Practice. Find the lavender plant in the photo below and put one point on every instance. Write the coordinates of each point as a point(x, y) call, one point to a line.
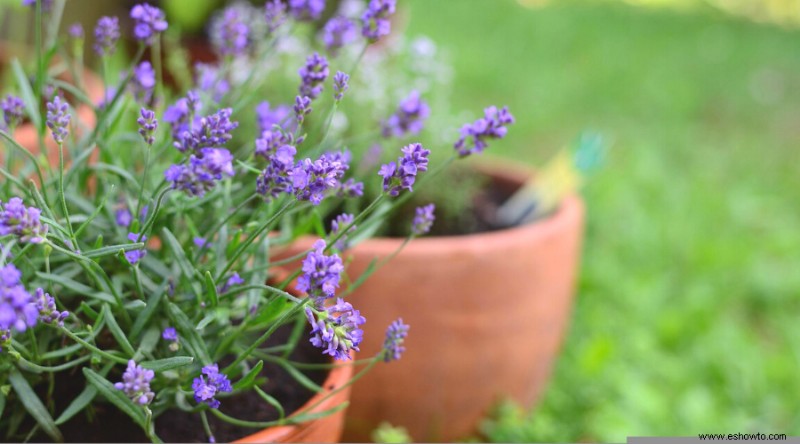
point(140, 267)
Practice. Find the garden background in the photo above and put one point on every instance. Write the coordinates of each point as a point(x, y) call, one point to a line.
point(687, 310)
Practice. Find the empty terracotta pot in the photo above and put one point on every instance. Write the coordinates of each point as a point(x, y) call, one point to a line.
point(325, 429)
point(487, 311)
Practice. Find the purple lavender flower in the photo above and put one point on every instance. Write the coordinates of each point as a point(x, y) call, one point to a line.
point(402, 174)
point(181, 114)
point(474, 136)
point(21, 221)
point(46, 306)
point(312, 180)
point(170, 334)
point(274, 14)
point(302, 108)
point(76, 31)
point(202, 171)
point(17, 307)
point(207, 78)
point(106, 34)
point(134, 256)
point(340, 85)
point(13, 110)
point(58, 119)
point(235, 279)
point(143, 82)
point(46, 4)
point(5, 338)
point(230, 33)
point(350, 188)
point(337, 225)
point(136, 383)
point(201, 242)
point(409, 118)
point(209, 384)
point(337, 335)
point(312, 75)
point(147, 125)
point(211, 131)
point(306, 10)
point(423, 220)
point(274, 180)
point(123, 217)
point(395, 336)
point(375, 20)
point(276, 146)
point(269, 116)
point(150, 21)
point(338, 33)
point(321, 273)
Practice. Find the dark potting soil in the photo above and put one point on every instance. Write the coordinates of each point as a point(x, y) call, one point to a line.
point(106, 423)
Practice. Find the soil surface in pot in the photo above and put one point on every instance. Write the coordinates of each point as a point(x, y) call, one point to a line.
point(108, 424)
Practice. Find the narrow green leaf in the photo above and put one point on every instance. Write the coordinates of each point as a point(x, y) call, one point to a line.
point(177, 251)
point(147, 313)
point(2, 403)
point(114, 396)
point(133, 183)
point(113, 249)
point(249, 379)
point(186, 329)
point(77, 404)
point(88, 311)
point(271, 401)
point(300, 377)
point(161, 365)
point(33, 405)
point(148, 343)
point(117, 332)
point(211, 290)
point(77, 287)
point(204, 322)
point(26, 93)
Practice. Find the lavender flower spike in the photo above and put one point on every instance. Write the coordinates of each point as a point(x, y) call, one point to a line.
point(171, 335)
point(336, 329)
point(58, 119)
point(395, 336)
point(311, 181)
point(375, 20)
point(340, 85)
point(136, 383)
point(302, 108)
point(17, 309)
point(134, 256)
point(207, 385)
point(321, 273)
point(423, 220)
point(402, 175)
point(306, 10)
point(22, 221)
point(230, 33)
point(312, 75)
point(338, 32)
point(143, 82)
point(409, 118)
point(76, 31)
point(149, 22)
point(147, 125)
point(46, 306)
point(106, 34)
point(13, 109)
point(202, 172)
point(474, 136)
point(274, 14)
point(337, 226)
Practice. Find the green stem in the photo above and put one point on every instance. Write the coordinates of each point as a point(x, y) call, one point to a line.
point(31, 157)
point(217, 227)
point(252, 238)
point(355, 221)
point(157, 65)
point(62, 195)
point(109, 356)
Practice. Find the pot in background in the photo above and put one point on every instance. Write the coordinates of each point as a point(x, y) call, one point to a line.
point(487, 315)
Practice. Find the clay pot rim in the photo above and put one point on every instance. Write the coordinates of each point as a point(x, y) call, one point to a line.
point(337, 377)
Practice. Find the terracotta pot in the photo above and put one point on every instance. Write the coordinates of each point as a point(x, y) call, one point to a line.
point(325, 429)
point(27, 135)
point(487, 312)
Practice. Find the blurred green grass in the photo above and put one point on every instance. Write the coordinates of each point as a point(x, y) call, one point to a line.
point(686, 320)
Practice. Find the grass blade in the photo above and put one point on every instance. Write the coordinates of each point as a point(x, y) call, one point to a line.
point(33, 405)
